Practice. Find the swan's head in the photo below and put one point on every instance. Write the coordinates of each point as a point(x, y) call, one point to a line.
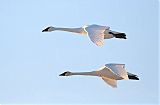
point(67, 73)
point(48, 29)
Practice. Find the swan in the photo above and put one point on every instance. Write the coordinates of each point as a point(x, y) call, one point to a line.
point(110, 73)
point(96, 33)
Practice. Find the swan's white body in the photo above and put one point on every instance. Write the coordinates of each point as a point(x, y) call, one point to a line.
point(110, 73)
point(96, 33)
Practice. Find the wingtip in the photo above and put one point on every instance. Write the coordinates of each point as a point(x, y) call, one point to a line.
point(99, 44)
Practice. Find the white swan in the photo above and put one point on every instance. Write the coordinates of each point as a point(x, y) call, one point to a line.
point(110, 73)
point(96, 33)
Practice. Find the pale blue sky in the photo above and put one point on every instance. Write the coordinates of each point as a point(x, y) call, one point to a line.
point(30, 61)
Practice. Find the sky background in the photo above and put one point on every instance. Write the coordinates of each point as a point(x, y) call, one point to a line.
point(30, 61)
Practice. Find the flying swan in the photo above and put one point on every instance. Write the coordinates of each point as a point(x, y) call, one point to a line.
point(110, 73)
point(96, 33)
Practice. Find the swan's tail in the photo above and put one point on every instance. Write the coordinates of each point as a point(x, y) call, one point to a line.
point(132, 76)
point(118, 34)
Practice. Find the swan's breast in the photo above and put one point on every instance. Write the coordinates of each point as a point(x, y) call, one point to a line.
point(83, 32)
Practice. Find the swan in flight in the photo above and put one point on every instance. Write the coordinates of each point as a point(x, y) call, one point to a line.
point(110, 73)
point(96, 33)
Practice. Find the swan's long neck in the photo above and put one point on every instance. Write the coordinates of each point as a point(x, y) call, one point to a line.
point(74, 30)
point(93, 73)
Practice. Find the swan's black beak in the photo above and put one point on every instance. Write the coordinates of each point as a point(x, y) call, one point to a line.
point(46, 30)
point(63, 74)
point(43, 30)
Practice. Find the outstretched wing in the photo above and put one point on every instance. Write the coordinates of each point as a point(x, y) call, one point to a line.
point(111, 82)
point(118, 69)
point(96, 33)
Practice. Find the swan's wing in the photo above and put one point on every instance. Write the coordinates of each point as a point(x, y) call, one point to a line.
point(118, 69)
point(96, 34)
point(108, 73)
point(111, 82)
